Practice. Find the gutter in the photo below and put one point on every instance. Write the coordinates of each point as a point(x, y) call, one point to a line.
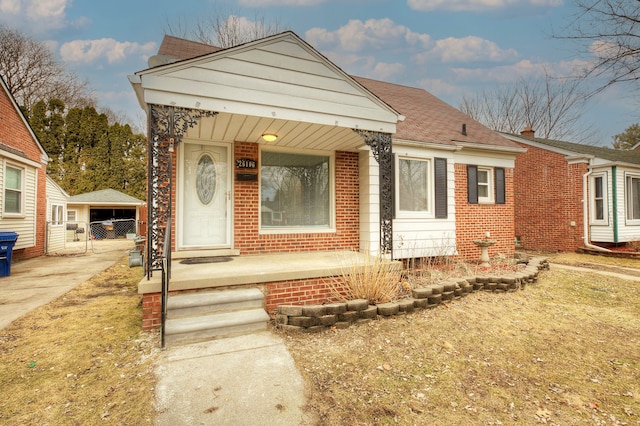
point(585, 215)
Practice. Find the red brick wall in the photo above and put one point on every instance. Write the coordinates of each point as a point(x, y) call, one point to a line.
point(246, 209)
point(300, 292)
point(548, 194)
point(14, 133)
point(474, 220)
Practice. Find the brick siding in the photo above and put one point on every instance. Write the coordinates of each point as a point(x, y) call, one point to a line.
point(246, 210)
point(14, 133)
point(474, 220)
point(548, 194)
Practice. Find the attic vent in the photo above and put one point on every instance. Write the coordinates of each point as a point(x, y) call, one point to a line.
point(464, 129)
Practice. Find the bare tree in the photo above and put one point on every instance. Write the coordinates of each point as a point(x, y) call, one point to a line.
point(31, 73)
point(609, 31)
point(223, 28)
point(551, 106)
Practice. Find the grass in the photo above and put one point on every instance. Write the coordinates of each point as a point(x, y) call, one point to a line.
point(82, 359)
point(563, 351)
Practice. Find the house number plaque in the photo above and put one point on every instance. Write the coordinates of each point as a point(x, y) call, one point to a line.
point(245, 163)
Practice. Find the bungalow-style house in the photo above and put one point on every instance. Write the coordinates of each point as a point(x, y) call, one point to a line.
point(569, 195)
point(23, 187)
point(269, 148)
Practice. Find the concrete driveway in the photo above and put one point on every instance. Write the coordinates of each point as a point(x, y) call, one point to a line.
point(36, 282)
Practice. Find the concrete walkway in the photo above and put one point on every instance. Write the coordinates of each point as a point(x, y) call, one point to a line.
point(243, 380)
point(36, 282)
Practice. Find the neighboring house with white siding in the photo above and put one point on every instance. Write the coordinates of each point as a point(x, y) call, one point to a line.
point(56, 217)
point(23, 170)
point(569, 195)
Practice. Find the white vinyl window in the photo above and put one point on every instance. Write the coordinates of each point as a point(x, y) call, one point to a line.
point(598, 200)
point(633, 197)
point(413, 197)
point(13, 191)
point(57, 214)
point(296, 191)
point(72, 215)
point(485, 185)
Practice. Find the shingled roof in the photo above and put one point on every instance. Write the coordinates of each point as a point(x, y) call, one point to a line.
point(601, 152)
point(427, 118)
point(104, 197)
point(181, 49)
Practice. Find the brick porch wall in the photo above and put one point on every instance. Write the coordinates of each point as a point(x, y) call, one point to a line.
point(247, 202)
point(548, 194)
point(474, 220)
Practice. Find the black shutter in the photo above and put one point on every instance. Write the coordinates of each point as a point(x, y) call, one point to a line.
point(472, 184)
point(500, 185)
point(440, 178)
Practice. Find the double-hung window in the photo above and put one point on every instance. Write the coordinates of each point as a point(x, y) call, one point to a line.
point(597, 209)
point(13, 191)
point(296, 191)
point(57, 214)
point(633, 197)
point(485, 185)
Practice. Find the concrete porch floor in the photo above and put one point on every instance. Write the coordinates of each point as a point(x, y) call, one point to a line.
point(253, 269)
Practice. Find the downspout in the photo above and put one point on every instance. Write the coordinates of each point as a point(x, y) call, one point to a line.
point(585, 214)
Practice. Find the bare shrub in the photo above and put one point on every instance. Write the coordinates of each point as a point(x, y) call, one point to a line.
point(374, 278)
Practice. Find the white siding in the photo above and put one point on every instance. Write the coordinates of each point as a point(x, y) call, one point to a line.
point(369, 203)
point(426, 237)
point(25, 226)
point(55, 233)
point(283, 79)
point(628, 230)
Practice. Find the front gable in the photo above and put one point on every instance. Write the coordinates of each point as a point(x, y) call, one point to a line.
point(279, 78)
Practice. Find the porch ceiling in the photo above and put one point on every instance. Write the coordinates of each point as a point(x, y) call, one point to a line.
point(226, 127)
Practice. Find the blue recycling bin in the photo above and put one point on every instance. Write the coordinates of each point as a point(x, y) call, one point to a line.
point(7, 241)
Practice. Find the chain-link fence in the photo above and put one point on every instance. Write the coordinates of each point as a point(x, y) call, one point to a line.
point(76, 237)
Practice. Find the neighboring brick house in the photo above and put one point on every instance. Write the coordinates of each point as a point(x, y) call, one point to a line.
point(553, 178)
point(268, 147)
point(23, 184)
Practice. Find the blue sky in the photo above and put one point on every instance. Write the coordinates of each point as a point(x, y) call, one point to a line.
point(448, 47)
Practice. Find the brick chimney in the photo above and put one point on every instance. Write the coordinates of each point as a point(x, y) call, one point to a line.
point(528, 131)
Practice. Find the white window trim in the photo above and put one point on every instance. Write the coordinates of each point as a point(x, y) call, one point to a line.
point(332, 196)
point(57, 221)
point(605, 201)
point(490, 198)
point(407, 214)
point(23, 178)
point(627, 198)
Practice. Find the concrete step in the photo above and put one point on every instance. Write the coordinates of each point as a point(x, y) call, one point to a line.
point(203, 303)
point(214, 326)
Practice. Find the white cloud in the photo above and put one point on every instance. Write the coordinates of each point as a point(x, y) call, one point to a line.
point(466, 49)
point(384, 71)
point(89, 51)
point(439, 87)
point(523, 69)
point(371, 34)
point(475, 5)
point(39, 15)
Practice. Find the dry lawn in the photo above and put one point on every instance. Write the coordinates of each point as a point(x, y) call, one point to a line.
point(82, 359)
point(565, 351)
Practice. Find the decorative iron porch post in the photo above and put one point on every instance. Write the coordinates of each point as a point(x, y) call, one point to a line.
point(380, 144)
point(166, 127)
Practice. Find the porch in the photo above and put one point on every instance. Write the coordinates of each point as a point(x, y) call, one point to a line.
point(211, 297)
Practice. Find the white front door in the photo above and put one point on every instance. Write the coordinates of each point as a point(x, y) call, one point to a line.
point(204, 215)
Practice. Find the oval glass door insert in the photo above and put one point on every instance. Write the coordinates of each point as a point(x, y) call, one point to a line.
point(206, 179)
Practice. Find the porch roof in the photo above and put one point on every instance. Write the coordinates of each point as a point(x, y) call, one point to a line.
point(278, 84)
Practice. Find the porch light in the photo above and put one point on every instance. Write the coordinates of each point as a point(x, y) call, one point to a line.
point(269, 137)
